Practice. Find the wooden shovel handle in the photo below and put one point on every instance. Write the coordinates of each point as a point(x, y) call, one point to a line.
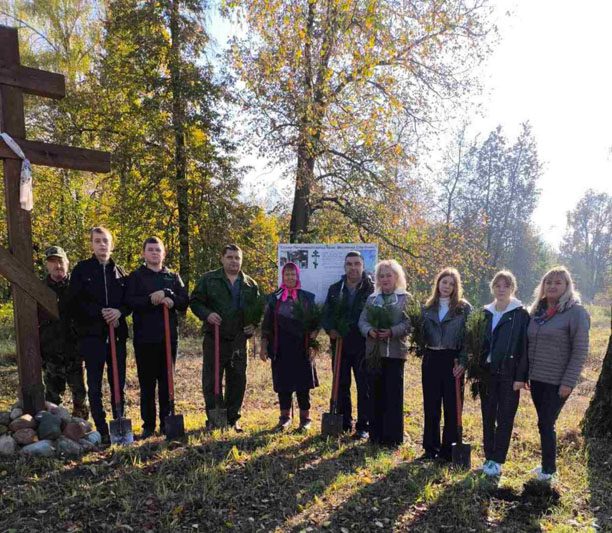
point(337, 370)
point(217, 361)
point(169, 363)
point(115, 369)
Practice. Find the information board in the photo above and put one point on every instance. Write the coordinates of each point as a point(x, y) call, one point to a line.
point(323, 264)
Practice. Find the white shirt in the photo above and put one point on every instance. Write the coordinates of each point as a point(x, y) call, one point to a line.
point(443, 308)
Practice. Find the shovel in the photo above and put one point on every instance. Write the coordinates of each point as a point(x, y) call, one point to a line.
point(218, 416)
point(174, 425)
point(120, 428)
point(461, 453)
point(331, 425)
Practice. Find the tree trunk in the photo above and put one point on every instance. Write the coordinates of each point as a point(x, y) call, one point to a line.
point(300, 215)
point(180, 162)
point(597, 420)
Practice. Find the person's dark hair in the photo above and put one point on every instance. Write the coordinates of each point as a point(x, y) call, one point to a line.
point(99, 229)
point(354, 253)
point(231, 248)
point(152, 240)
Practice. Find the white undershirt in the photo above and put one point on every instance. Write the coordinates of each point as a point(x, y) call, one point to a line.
point(443, 308)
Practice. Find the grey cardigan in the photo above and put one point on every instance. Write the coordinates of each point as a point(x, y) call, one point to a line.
point(397, 347)
point(558, 347)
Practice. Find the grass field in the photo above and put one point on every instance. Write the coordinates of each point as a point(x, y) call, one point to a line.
point(262, 481)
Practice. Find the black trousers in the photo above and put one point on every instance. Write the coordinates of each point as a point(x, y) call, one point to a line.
point(96, 353)
point(353, 362)
point(439, 390)
point(548, 405)
point(498, 404)
point(303, 398)
point(386, 413)
point(233, 365)
point(152, 373)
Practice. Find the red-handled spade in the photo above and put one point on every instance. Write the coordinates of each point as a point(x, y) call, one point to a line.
point(461, 453)
point(120, 427)
point(218, 415)
point(331, 425)
point(174, 425)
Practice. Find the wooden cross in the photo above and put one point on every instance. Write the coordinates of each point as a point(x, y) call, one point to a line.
point(17, 264)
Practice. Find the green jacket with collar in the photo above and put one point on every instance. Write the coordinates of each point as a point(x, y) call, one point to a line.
point(212, 295)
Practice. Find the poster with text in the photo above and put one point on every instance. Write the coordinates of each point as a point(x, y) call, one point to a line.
point(323, 264)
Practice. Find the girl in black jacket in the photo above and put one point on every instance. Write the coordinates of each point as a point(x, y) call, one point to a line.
point(504, 364)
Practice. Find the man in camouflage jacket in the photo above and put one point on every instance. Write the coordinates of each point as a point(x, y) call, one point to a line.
point(61, 361)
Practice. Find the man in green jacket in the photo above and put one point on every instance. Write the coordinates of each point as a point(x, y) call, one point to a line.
point(219, 299)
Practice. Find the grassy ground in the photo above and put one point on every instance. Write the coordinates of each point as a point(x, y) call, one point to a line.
point(261, 481)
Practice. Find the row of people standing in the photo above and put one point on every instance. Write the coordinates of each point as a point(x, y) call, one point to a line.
point(545, 348)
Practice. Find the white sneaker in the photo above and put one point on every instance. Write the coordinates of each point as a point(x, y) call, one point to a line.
point(491, 468)
point(542, 476)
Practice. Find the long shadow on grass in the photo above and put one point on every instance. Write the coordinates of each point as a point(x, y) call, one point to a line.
point(600, 480)
point(219, 484)
point(382, 503)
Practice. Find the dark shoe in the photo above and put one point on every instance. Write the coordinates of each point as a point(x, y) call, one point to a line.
point(106, 439)
point(237, 428)
point(80, 411)
point(361, 434)
point(428, 456)
point(305, 425)
point(146, 434)
point(284, 423)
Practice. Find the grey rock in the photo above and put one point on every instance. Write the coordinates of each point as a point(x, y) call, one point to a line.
point(68, 447)
point(62, 412)
point(94, 437)
point(49, 406)
point(49, 426)
point(3, 429)
point(8, 446)
point(86, 425)
point(86, 445)
point(16, 412)
point(42, 448)
point(5, 418)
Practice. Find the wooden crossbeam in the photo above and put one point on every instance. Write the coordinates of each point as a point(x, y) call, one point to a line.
point(12, 269)
point(33, 81)
point(58, 156)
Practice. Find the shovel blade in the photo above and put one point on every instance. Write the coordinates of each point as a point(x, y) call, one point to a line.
point(121, 431)
point(218, 418)
point(462, 455)
point(331, 425)
point(174, 427)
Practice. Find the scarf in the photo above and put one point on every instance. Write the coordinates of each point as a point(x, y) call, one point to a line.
point(293, 292)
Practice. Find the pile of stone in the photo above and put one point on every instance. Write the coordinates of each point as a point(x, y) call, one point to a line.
point(51, 433)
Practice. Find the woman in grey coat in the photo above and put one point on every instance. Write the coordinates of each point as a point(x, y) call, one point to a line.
point(558, 336)
point(386, 352)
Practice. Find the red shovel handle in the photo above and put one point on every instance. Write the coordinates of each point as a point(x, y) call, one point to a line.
point(337, 370)
point(217, 361)
point(169, 364)
point(113, 347)
point(459, 402)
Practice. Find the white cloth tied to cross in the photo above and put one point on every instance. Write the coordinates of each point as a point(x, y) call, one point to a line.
point(26, 197)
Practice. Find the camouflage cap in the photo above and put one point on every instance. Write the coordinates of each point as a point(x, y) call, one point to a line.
point(55, 251)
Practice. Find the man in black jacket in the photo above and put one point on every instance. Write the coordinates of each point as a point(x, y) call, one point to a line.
point(61, 361)
point(150, 287)
point(348, 296)
point(97, 300)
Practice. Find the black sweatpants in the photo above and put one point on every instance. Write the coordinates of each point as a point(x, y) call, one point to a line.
point(548, 405)
point(303, 398)
point(498, 404)
point(96, 353)
point(353, 362)
point(386, 413)
point(152, 372)
point(438, 390)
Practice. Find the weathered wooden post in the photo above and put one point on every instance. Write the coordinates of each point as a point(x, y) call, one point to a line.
point(17, 263)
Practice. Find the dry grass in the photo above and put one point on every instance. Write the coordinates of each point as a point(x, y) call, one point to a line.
point(261, 481)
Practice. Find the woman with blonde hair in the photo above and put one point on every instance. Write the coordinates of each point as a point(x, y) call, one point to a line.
point(444, 317)
point(558, 336)
point(503, 361)
point(385, 324)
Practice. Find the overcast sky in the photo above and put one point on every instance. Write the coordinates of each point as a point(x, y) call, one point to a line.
point(551, 67)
